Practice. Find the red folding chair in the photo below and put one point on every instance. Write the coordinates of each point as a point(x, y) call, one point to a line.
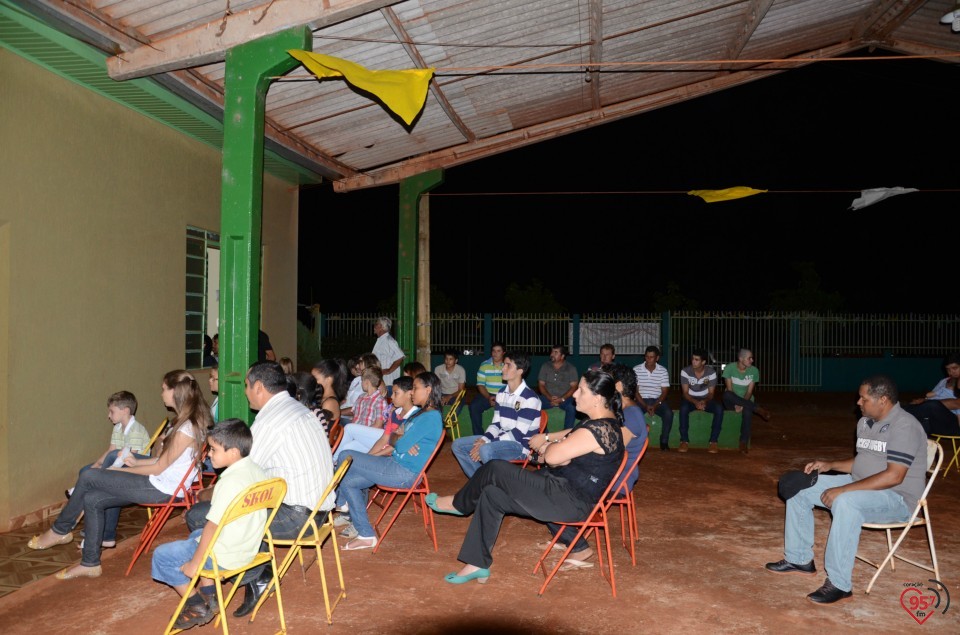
point(383, 497)
point(543, 428)
point(182, 497)
point(336, 435)
point(623, 498)
point(595, 521)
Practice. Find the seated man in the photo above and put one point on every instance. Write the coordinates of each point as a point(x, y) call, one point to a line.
point(698, 381)
point(607, 356)
point(558, 380)
point(515, 420)
point(741, 380)
point(489, 383)
point(882, 483)
point(653, 384)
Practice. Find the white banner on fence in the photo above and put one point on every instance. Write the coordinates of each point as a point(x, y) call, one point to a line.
point(628, 338)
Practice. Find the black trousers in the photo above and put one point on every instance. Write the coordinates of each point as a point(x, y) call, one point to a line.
point(935, 417)
point(499, 488)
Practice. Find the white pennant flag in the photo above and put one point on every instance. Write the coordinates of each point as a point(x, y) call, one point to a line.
point(877, 194)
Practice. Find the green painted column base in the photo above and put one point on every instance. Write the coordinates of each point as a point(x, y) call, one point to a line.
point(699, 432)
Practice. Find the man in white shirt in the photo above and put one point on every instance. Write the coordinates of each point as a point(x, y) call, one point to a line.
point(387, 351)
point(653, 383)
point(289, 443)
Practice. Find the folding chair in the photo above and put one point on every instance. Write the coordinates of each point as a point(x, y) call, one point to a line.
point(955, 460)
point(451, 421)
point(595, 521)
point(623, 498)
point(335, 433)
point(313, 535)
point(263, 495)
point(920, 516)
point(182, 497)
point(383, 497)
point(524, 462)
point(156, 435)
point(336, 436)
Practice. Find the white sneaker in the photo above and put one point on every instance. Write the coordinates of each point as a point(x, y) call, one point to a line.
point(343, 509)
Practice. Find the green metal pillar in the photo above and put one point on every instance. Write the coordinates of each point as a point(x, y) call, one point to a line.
point(411, 189)
point(248, 73)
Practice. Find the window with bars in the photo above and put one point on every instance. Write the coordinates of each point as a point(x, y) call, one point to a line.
point(202, 293)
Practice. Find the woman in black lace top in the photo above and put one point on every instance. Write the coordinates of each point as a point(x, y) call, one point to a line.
point(579, 465)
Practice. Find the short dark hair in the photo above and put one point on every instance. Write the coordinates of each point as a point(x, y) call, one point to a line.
point(500, 344)
point(882, 386)
point(520, 360)
point(413, 369)
point(559, 347)
point(123, 399)
point(701, 353)
point(452, 352)
point(609, 347)
point(232, 433)
point(270, 374)
point(652, 349)
point(404, 383)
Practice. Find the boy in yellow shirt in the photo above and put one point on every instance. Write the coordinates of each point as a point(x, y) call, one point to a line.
point(175, 563)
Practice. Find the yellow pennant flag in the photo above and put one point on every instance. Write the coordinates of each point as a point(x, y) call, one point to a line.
point(713, 196)
point(403, 92)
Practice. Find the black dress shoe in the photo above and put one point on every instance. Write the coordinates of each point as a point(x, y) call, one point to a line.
point(252, 592)
point(664, 447)
point(788, 567)
point(828, 594)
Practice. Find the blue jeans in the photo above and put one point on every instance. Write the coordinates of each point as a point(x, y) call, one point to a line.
point(366, 471)
point(730, 401)
point(666, 416)
point(95, 492)
point(357, 437)
point(569, 407)
point(169, 557)
point(503, 450)
point(111, 516)
point(478, 406)
point(713, 407)
point(850, 510)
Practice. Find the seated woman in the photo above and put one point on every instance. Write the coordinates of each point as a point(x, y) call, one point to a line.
point(332, 376)
point(580, 463)
point(151, 480)
point(939, 411)
point(306, 391)
point(377, 440)
point(400, 468)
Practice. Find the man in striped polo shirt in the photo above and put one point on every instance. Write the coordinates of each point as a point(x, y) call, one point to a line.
point(653, 384)
point(515, 420)
point(489, 383)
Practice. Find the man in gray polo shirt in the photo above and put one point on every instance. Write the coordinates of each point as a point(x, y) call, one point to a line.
point(881, 483)
point(557, 381)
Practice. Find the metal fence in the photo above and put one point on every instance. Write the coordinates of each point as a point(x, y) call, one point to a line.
point(789, 347)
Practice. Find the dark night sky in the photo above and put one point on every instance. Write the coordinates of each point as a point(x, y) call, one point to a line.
point(830, 126)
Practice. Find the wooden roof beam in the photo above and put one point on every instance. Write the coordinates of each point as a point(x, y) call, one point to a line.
point(210, 42)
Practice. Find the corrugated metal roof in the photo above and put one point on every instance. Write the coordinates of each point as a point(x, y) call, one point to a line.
point(514, 72)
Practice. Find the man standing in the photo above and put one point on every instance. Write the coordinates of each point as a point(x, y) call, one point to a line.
point(607, 354)
point(515, 420)
point(741, 380)
point(489, 383)
point(698, 382)
point(558, 380)
point(882, 483)
point(653, 383)
point(387, 351)
point(290, 443)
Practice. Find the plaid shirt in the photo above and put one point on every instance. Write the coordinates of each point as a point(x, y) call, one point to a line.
point(368, 409)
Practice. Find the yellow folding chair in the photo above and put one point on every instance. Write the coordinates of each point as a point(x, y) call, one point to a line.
point(450, 420)
point(263, 495)
point(313, 535)
point(156, 434)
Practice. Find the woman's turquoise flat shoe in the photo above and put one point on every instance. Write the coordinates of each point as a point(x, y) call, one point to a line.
point(432, 504)
point(480, 575)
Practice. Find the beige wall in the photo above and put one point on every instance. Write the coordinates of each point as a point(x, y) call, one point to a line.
point(92, 248)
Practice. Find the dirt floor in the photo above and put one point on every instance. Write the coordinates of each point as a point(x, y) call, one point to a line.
point(708, 523)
